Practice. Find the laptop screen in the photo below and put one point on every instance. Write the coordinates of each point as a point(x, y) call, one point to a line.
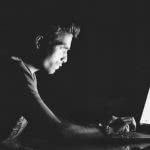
point(145, 118)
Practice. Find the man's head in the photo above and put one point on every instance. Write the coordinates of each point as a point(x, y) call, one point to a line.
point(54, 45)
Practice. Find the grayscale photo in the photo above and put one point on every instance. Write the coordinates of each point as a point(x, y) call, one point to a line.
point(74, 75)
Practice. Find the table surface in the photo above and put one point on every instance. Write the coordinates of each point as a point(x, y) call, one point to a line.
point(39, 144)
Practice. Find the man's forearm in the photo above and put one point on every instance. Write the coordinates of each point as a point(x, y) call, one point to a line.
point(78, 131)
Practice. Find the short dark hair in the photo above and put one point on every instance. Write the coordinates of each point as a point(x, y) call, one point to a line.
point(48, 38)
point(55, 30)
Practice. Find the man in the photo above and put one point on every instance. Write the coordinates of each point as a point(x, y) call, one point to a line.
point(20, 97)
point(19, 93)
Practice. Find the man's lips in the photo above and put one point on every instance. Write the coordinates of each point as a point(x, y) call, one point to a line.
point(59, 65)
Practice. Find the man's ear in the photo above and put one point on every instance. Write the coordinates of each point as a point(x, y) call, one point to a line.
point(38, 41)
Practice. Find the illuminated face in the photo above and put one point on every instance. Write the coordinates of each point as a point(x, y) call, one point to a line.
point(54, 61)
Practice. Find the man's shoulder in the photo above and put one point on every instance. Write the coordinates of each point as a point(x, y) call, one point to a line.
point(11, 70)
point(7, 65)
point(9, 77)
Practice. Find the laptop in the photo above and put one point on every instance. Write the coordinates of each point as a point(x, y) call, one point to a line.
point(145, 117)
point(144, 123)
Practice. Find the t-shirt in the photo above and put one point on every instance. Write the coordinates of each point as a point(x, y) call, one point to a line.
point(19, 95)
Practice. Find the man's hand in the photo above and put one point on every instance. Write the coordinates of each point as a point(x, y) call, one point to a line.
point(119, 125)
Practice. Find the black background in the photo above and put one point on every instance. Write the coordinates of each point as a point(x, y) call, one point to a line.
point(108, 67)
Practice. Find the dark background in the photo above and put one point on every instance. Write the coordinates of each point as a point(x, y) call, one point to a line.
point(108, 69)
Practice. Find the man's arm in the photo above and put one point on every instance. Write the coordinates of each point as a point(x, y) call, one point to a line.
point(82, 132)
point(68, 130)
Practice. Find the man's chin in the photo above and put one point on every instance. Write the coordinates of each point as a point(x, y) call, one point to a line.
point(51, 72)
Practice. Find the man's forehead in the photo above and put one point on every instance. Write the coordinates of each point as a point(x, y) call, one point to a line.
point(64, 39)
